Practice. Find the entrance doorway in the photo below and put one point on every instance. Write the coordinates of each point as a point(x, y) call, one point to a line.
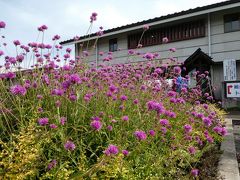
point(201, 63)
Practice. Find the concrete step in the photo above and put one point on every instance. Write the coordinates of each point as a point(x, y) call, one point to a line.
point(228, 165)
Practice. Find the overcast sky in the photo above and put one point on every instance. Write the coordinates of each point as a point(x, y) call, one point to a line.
point(71, 17)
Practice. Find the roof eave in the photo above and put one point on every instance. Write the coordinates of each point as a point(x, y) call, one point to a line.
point(175, 18)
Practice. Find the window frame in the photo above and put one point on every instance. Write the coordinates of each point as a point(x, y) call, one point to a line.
point(229, 18)
point(177, 32)
point(113, 45)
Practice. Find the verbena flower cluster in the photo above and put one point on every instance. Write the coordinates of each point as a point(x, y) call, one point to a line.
point(102, 120)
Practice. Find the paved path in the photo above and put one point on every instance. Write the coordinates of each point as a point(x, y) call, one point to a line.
point(229, 162)
point(236, 134)
point(228, 165)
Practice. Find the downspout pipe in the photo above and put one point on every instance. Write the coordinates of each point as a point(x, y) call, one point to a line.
point(209, 35)
point(96, 51)
point(210, 53)
point(76, 50)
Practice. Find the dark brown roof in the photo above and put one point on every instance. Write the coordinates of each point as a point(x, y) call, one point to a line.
point(189, 11)
point(198, 56)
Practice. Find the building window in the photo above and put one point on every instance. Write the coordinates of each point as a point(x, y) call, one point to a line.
point(183, 31)
point(232, 22)
point(113, 46)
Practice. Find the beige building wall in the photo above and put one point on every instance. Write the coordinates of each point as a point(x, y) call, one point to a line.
point(223, 46)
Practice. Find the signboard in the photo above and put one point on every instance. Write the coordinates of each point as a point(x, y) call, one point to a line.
point(229, 70)
point(233, 90)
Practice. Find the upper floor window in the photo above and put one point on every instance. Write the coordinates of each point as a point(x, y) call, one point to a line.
point(113, 46)
point(232, 22)
point(178, 32)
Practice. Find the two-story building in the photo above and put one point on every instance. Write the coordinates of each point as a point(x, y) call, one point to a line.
point(204, 37)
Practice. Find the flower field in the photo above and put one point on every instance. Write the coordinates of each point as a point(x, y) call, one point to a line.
point(66, 119)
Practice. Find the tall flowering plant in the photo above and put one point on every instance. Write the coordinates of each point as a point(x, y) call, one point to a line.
point(74, 120)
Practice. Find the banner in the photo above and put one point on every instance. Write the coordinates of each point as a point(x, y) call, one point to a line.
point(233, 90)
point(229, 70)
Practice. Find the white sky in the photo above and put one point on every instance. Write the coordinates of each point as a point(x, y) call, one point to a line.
point(71, 17)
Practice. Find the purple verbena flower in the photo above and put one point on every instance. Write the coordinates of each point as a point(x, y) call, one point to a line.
point(96, 125)
point(110, 128)
point(53, 126)
point(131, 52)
point(140, 135)
point(173, 100)
point(68, 50)
point(10, 75)
point(112, 88)
point(158, 71)
point(153, 105)
point(220, 130)
point(165, 40)
point(40, 110)
point(217, 129)
point(123, 98)
point(187, 128)
point(224, 131)
point(151, 132)
point(209, 139)
point(177, 70)
point(195, 172)
point(16, 42)
point(207, 121)
point(171, 93)
point(197, 102)
point(56, 37)
point(125, 152)
point(58, 92)
point(164, 130)
point(2, 24)
point(192, 150)
point(58, 103)
point(172, 49)
point(43, 121)
point(69, 145)
point(125, 118)
point(148, 56)
point(93, 17)
point(164, 122)
point(205, 106)
point(200, 115)
point(1, 53)
point(66, 56)
point(145, 27)
point(143, 87)
point(188, 138)
point(39, 96)
point(135, 101)
point(18, 90)
point(111, 150)
point(113, 121)
point(75, 79)
point(96, 118)
point(63, 120)
point(52, 164)
point(19, 58)
point(73, 97)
